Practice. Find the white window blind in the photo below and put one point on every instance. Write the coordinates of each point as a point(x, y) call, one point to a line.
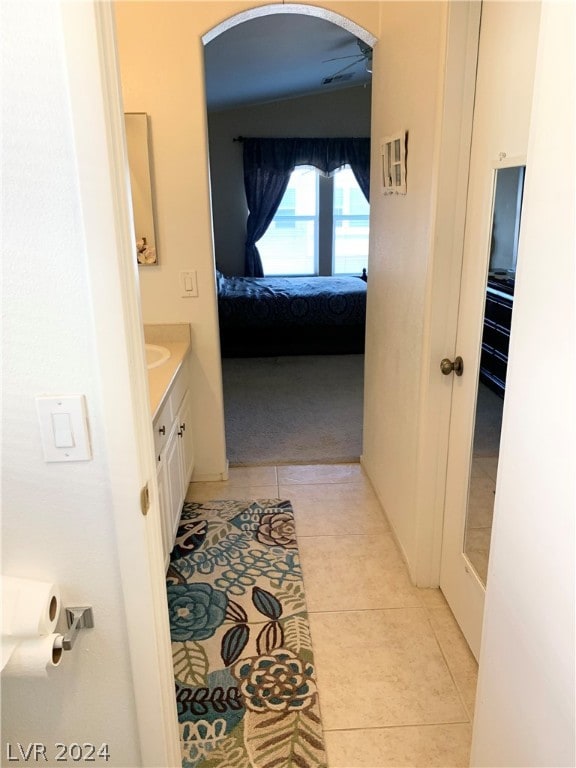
point(291, 244)
point(350, 225)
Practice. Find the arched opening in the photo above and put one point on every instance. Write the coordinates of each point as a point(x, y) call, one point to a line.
point(290, 72)
point(292, 8)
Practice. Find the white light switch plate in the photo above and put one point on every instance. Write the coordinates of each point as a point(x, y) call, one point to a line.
point(188, 284)
point(64, 428)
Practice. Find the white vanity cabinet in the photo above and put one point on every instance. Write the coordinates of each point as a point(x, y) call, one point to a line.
point(174, 449)
point(184, 422)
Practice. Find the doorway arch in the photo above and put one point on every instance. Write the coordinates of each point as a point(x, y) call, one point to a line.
point(273, 33)
point(296, 8)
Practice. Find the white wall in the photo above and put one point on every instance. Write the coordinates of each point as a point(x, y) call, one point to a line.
point(409, 59)
point(525, 703)
point(167, 82)
point(336, 113)
point(57, 521)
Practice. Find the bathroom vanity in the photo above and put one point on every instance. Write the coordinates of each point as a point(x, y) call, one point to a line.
point(170, 401)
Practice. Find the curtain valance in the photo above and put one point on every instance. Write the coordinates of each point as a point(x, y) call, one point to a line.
point(327, 155)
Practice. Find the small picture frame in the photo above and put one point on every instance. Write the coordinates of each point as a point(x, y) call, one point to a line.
point(393, 150)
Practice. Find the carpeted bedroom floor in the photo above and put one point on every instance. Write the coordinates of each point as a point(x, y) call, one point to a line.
point(293, 410)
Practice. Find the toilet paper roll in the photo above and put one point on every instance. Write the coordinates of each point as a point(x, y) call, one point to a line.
point(35, 657)
point(29, 608)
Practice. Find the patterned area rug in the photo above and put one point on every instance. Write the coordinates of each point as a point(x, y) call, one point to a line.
point(245, 683)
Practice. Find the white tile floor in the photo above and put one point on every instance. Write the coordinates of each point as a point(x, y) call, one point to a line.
point(396, 678)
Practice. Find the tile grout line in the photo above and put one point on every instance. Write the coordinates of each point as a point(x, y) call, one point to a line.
point(403, 725)
point(372, 534)
point(368, 610)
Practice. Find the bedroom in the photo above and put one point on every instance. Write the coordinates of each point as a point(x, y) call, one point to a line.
point(268, 326)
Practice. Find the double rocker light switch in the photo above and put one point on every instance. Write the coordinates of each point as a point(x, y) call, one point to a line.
point(64, 428)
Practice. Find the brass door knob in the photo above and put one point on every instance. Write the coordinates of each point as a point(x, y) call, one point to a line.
point(448, 366)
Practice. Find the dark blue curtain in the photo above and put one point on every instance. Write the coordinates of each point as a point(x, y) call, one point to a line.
point(268, 164)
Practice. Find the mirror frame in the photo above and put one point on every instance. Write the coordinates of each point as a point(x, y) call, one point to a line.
point(137, 126)
point(501, 163)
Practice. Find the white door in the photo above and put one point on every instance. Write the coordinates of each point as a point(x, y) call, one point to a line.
point(98, 132)
point(506, 60)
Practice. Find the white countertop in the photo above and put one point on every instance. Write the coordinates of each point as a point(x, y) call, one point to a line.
point(160, 378)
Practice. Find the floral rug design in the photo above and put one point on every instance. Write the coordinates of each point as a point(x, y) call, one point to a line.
point(243, 666)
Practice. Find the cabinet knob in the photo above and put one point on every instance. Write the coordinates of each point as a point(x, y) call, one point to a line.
point(447, 366)
point(183, 427)
point(162, 430)
point(180, 433)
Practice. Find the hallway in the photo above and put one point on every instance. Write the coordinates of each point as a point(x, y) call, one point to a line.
point(395, 675)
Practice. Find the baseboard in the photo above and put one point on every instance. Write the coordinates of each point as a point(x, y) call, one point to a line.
point(297, 462)
point(216, 477)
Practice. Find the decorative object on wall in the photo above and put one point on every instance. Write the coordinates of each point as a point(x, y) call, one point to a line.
point(144, 253)
point(137, 141)
point(245, 682)
point(394, 164)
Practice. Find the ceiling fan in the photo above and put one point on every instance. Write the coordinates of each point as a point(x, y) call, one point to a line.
point(365, 55)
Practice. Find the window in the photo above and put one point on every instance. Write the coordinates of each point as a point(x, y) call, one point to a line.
point(350, 225)
point(290, 245)
point(295, 243)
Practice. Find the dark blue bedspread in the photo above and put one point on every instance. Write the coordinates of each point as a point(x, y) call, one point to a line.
point(266, 302)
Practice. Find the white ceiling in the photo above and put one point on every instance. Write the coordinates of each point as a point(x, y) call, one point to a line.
point(277, 57)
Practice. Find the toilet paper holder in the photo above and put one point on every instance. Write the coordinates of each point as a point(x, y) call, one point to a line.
point(77, 618)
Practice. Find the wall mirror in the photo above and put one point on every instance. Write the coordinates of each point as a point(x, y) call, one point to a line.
point(137, 140)
point(499, 304)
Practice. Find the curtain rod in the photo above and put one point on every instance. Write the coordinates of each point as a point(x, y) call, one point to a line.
point(242, 138)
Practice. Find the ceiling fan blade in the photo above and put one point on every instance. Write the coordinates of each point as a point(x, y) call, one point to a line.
point(348, 66)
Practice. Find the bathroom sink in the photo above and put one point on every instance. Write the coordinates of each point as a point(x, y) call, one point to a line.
point(156, 355)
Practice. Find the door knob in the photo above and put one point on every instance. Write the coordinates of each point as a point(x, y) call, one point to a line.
point(447, 366)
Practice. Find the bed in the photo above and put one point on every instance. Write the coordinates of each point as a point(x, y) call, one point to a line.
point(269, 316)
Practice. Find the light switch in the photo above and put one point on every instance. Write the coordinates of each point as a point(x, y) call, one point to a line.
point(188, 284)
point(64, 428)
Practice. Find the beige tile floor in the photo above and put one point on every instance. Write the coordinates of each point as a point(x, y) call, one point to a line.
point(396, 678)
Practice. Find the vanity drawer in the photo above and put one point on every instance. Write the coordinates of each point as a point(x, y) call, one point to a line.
point(162, 425)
